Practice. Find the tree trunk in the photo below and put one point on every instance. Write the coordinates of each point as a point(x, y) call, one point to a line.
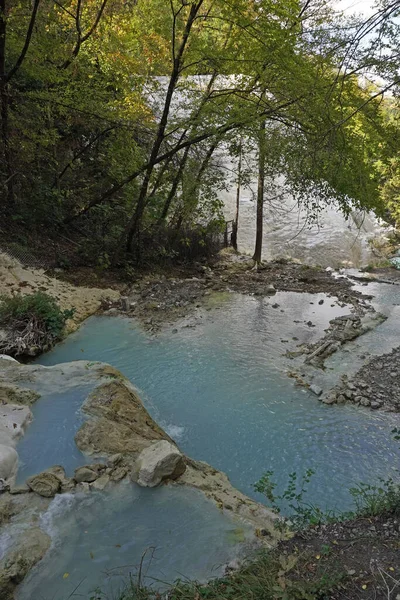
point(134, 223)
point(235, 223)
point(5, 143)
point(260, 193)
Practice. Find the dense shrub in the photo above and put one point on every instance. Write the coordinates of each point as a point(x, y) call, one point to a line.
point(31, 324)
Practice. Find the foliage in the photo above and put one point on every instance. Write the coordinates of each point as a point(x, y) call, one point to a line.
point(93, 146)
point(32, 323)
point(300, 513)
point(373, 500)
point(270, 576)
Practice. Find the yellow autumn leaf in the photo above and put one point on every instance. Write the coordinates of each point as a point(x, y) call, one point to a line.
point(391, 569)
point(65, 575)
point(318, 556)
point(364, 587)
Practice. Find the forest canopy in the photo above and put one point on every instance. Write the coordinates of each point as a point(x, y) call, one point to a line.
point(115, 115)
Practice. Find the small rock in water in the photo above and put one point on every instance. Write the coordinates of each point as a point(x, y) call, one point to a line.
point(329, 400)
point(375, 404)
point(321, 301)
point(276, 305)
point(85, 474)
point(315, 389)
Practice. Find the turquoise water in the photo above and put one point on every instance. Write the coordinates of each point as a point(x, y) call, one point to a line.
point(219, 389)
point(217, 384)
point(49, 440)
point(99, 541)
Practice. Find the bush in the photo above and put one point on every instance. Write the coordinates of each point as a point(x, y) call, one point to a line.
point(32, 323)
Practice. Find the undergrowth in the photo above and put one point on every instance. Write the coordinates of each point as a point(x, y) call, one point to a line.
point(31, 323)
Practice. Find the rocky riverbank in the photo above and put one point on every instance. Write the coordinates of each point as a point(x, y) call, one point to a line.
point(159, 299)
point(375, 385)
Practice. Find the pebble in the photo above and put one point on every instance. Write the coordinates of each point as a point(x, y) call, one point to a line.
point(315, 389)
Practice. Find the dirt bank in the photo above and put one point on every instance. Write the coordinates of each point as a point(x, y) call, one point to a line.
point(16, 278)
point(159, 299)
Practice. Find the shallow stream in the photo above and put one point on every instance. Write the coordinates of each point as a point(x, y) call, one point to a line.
point(217, 384)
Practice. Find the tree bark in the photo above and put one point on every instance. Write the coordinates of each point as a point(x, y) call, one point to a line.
point(235, 223)
point(134, 223)
point(8, 174)
point(260, 193)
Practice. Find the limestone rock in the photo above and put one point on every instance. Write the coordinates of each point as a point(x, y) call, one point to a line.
point(101, 483)
point(7, 357)
point(67, 484)
point(14, 418)
point(123, 425)
point(118, 473)
point(19, 489)
point(15, 565)
point(8, 461)
point(162, 460)
point(11, 393)
point(114, 460)
point(315, 389)
point(85, 474)
point(329, 400)
point(45, 484)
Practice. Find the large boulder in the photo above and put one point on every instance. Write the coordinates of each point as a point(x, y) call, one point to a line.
point(162, 460)
point(121, 424)
point(8, 461)
point(45, 484)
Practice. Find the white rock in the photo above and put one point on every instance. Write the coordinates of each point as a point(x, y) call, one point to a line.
point(15, 418)
point(6, 438)
point(315, 389)
point(100, 483)
point(6, 357)
point(8, 461)
point(161, 460)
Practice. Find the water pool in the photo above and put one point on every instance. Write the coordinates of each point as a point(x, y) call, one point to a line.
point(99, 540)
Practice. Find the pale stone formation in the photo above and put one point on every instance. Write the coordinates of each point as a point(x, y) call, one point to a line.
point(15, 418)
point(8, 461)
point(28, 550)
point(162, 460)
point(121, 425)
point(14, 394)
point(6, 357)
point(100, 483)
